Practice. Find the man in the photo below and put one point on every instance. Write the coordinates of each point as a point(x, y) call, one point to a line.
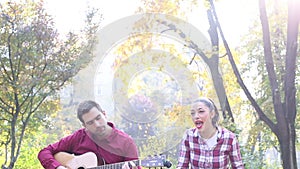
point(109, 144)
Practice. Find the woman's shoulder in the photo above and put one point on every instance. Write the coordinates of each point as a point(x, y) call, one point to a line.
point(190, 131)
point(226, 132)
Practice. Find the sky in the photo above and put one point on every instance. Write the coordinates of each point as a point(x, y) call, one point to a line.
point(235, 16)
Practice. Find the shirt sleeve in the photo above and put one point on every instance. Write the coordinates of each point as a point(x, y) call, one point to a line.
point(184, 153)
point(131, 151)
point(46, 155)
point(235, 155)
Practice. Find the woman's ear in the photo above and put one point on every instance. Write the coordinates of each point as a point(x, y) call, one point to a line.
point(212, 114)
point(104, 113)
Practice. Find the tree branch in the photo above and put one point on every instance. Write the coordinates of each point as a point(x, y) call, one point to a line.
point(262, 116)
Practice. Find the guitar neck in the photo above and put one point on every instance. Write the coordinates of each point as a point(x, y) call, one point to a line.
point(117, 165)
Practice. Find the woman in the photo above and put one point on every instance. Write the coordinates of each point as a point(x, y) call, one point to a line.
point(207, 145)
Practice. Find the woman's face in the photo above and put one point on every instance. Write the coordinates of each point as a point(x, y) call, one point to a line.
point(202, 116)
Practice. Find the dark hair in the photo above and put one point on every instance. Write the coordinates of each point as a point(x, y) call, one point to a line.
point(212, 107)
point(85, 106)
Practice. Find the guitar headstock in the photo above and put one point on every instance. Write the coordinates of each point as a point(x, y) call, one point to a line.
point(156, 161)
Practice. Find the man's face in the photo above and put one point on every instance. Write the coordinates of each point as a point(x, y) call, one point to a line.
point(95, 122)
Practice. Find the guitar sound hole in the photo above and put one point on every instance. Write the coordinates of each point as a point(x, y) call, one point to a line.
point(80, 168)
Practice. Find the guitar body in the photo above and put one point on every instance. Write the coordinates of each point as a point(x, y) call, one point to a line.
point(84, 161)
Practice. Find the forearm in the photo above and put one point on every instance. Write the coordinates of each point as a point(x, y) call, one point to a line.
point(47, 160)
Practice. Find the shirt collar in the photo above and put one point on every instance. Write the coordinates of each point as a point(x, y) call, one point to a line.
point(197, 134)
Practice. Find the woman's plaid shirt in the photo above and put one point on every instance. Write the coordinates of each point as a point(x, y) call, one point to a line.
point(195, 152)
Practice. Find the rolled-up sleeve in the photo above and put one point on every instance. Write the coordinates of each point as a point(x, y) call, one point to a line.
point(46, 155)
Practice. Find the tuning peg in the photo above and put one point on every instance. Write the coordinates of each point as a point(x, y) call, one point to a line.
point(167, 164)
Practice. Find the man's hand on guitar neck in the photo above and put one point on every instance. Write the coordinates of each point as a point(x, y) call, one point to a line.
point(126, 165)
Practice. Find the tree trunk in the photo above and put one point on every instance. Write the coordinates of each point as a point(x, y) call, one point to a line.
point(287, 147)
point(213, 64)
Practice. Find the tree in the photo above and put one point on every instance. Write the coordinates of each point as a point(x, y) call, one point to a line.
point(35, 64)
point(283, 90)
point(210, 59)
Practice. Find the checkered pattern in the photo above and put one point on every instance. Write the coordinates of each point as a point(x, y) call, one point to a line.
point(195, 152)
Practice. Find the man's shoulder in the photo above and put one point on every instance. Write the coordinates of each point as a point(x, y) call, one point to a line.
point(118, 132)
point(79, 132)
point(122, 134)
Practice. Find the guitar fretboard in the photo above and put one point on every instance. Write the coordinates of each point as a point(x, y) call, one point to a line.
point(117, 165)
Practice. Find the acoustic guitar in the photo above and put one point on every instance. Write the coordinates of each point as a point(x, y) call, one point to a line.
point(89, 161)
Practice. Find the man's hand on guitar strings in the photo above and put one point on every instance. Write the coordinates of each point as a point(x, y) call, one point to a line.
point(61, 167)
point(126, 165)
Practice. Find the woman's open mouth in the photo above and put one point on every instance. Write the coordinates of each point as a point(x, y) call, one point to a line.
point(198, 124)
